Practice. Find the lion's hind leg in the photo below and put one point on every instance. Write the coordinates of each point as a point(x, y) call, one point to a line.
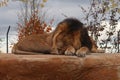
point(82, 52)
point(95, 50)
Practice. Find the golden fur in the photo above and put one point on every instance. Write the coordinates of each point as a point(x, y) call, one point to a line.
point(70, 38)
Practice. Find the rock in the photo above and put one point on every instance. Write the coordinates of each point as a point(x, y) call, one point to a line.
point(59, 67)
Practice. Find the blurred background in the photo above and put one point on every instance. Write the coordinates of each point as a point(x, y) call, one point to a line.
point(20, 18)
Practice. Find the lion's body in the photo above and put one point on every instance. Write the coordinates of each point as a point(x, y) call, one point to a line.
point(34, 43)
point(69, 37)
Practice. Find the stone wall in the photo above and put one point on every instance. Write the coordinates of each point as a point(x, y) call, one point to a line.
point(57, 67)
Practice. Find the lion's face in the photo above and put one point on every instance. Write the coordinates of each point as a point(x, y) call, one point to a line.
point(67, 33)
point(66, 39)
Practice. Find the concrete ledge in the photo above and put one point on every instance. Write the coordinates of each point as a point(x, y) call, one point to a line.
point(56, 67)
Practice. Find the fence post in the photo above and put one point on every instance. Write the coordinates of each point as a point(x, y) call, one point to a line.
point(7, 39)
point(118, 40)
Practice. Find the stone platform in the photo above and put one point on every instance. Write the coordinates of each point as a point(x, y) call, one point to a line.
point(59, 67)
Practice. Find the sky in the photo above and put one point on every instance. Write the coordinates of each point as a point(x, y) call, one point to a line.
point(53, 8)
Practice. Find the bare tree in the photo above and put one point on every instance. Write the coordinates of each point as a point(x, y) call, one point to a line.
point(107, 12)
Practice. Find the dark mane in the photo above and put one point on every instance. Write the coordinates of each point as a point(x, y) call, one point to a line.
point(73, 23)
point(85, 38)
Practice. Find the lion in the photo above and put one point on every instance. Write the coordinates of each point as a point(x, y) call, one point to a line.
point(69, 38)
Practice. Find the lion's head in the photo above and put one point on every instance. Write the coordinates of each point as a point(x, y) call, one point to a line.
point(70, 32)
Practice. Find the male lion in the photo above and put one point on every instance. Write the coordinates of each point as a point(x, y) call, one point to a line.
point(70, 38)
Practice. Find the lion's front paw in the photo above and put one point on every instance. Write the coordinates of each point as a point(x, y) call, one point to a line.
point(54, 51)
point(82, 52)
point(70, 51)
